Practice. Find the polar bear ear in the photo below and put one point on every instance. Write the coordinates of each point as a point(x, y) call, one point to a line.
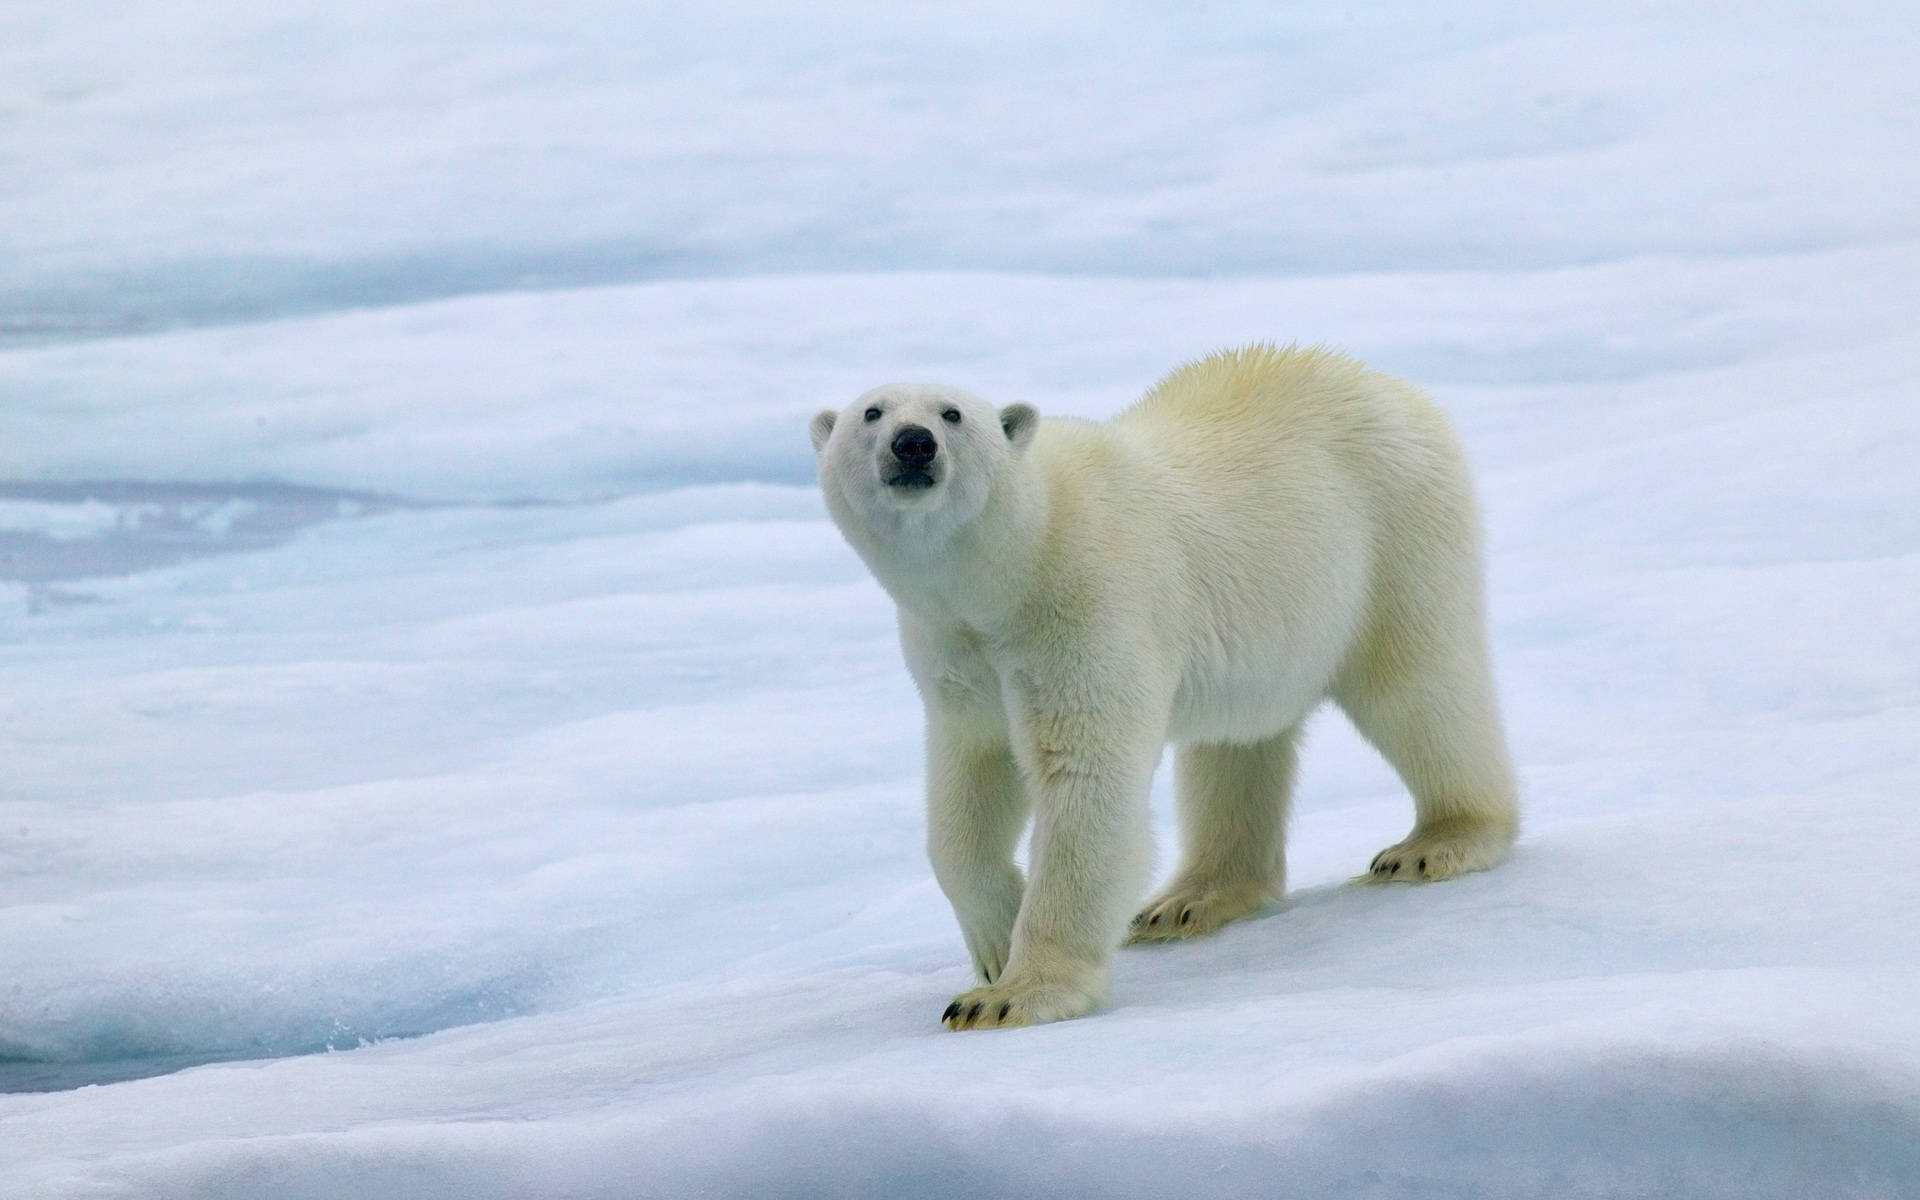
point(1020, 422)
point(821, 428)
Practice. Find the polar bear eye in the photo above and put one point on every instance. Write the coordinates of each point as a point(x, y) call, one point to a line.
point(951, 416)
point(873, 414)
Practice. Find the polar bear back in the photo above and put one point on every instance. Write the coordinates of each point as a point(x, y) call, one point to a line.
point(1266, 517)
point(1250, 414)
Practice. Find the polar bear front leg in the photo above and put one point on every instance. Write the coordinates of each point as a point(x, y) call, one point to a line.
point(1092, 853)
point(976, 808)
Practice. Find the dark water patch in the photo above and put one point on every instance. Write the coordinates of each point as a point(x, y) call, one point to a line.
point(51, 532)
point(38, 1075)
point(122, 1040)
point(28, 1075)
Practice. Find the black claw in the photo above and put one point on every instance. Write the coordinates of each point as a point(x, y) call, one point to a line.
point(973, 1013)
point(1423, 864)
point(953, 1010)
point(1005, 1009)
point(1186, 916)
point(1154, 919)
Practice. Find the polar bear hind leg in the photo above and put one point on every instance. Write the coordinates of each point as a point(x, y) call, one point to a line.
point(1430, 710)
point(1234, 801)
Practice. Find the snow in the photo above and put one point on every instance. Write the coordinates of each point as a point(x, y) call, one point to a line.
point(447, 752)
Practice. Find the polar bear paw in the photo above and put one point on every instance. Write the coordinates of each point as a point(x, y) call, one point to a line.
point(1193, 910)
point(1440, 852)
point(1010, 1003)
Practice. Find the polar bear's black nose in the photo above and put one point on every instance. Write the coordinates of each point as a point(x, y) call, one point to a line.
point(914, 446)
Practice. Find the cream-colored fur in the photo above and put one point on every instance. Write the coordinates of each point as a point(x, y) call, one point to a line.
point(1263, 530)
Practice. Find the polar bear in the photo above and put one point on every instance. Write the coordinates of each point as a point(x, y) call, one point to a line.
point(1266, 528)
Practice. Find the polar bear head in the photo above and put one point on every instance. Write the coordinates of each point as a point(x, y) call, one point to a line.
point(916, 461)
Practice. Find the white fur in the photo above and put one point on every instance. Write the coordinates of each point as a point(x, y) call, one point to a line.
point(1263, 530)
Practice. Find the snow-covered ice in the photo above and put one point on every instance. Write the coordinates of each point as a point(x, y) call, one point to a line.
point(436, 713)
